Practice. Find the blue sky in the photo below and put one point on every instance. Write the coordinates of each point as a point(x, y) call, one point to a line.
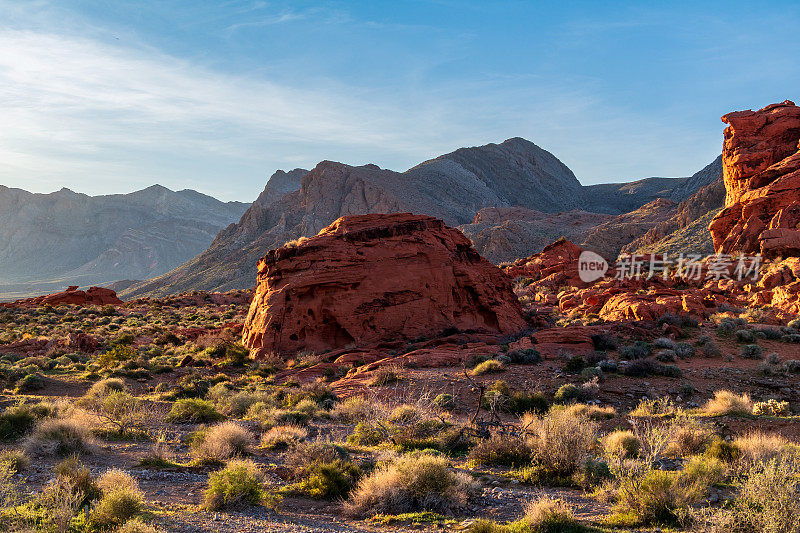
point(105, 97)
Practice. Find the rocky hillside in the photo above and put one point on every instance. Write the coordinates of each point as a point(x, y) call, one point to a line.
point(506, 234)
point(76, 239)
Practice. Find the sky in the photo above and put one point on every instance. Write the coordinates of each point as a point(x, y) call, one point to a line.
point(114, 96)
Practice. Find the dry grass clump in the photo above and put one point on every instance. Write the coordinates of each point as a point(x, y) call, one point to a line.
point(355, 409)
point(121, 499)
point(688, 436)
point(488, 367)
point(501, 450)
point(559, 442)
point(592, 412)
point(654, 407)
point(411, 483)
point(223, 441)
point(761, 447)
point(622, 444)
point(60, 437)
point(283, 436)
point(726, 402)
point(549, 514)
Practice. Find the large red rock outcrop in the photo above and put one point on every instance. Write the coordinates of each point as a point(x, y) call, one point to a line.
point(761, 169)
point(71, 296)
point(369, 279)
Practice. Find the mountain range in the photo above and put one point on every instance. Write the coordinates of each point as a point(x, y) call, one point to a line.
point(527, 185)
point(67, 238)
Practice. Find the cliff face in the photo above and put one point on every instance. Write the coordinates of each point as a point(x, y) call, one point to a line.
point(761, 160)
point(94, 239)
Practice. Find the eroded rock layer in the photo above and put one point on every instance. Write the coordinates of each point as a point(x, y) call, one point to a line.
point(371, 279)
point(761, 168)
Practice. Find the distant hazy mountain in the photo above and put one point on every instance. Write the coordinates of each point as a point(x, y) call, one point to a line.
point(452, 187)
point(79, 239)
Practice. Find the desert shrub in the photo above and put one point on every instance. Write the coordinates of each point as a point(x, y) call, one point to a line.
point(240, 482)
point(604, 342)
point(608, 365)
point(16, 460)
point(116, 355)
point(101, 389)
point(120, 410)
point(411, 483)
point(528, 356)
point(574, 364)
point(666, 356)
point(30, 383)
point(726, 402)
point(708, 470)
point(768, 501)
point(550, 515)
point(59, 437)
point(559, 443)
point(751, 351)
point(649, 407)
point(385, 375)
point(121, 500)
point(638, 350)
point(761, 447)
point(283, 436)
point(488, 367)
point(569, 392)
point(16, 421)
point(723, 450)
point(326, 480)
point(684, 350)
point(772, 407)
point(366, 434)
point(622, 444)
point(193, 410)
point(223, 441)
point(321, 470)
point(792, 366)
point(354, 409)
point(793, 338)
point(664, 342)
point(709, 350)
point(688, 436)
point(648, 367)
point(795, 323)
point(745, 336)
point(592, 412)
point(137, 526)
point(659, 496)
point(501, 450)
point(771, 333)
point(726, 327)
point(501, 397)
point(445, 401)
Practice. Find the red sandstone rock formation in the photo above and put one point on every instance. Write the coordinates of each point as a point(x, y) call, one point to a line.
point(369, 279)
point(761, 168)
point(71, 296)
point(553, 267)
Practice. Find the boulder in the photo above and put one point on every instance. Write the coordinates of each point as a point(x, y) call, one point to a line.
point(372, 279)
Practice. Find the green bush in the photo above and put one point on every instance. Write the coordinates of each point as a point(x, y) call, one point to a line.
point(240, 482)
point(501, 450)
point(15, 422)
point(193, 410)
